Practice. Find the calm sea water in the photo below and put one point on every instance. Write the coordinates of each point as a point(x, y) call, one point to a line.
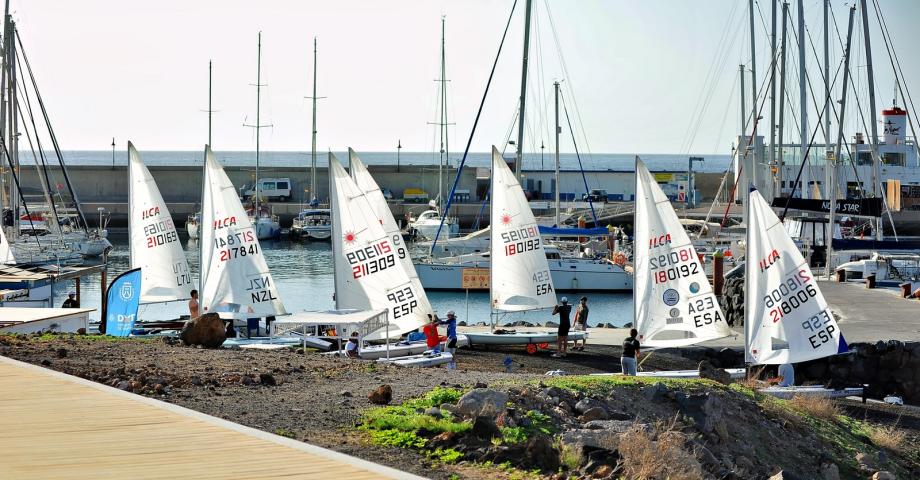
point(303, 273)
point(568, 161)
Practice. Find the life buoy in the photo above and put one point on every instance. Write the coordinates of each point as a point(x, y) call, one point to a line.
point(619, 259)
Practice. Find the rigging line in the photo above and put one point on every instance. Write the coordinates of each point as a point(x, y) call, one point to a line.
point(580, 166)
point(831, 103)
point(565, 72)
point(755, 120)
point(54, 142)
point(42, 168)
point(43, 163)
point(893, 59)
point(714, 83)
point(469, 142)
point(711, 81)
point(25, 205)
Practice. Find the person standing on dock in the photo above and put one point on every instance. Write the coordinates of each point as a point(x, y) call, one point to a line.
point(562, 340)
point(193, 309)
point(71, 301)
point(630, 357)
point(581, 323)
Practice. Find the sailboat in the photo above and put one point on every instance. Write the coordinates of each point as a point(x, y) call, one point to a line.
point(313, 223)
point(235, 280)
point(265, 224)
point(154, 242)
point(674, 303)
point(369, 271)
point(787, 319)
point(519, 280)
point(428, 223)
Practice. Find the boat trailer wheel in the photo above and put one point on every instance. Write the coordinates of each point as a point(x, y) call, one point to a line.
point(543, 345)
point(531, 348)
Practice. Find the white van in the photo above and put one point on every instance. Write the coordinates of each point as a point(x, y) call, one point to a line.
point(272, 189)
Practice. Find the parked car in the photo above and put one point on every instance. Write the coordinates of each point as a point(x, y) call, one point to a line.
point(272, 189)
point(595, 196)
point(415, 195)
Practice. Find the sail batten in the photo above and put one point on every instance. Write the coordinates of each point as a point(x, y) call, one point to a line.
point(154, 243)
point(520, 276)
point(787, 319)
point(373, 269)
point(235, 276)
point(674, 302)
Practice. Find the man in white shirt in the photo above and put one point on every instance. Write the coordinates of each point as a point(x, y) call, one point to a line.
point(786, 375)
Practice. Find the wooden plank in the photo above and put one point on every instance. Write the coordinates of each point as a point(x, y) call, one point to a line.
point(57, 426)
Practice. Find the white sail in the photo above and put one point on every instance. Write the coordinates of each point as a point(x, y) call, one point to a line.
point(674, 303)
point(786, 318)
point(520, 274)
point(6, 250)
point(154, 243)
point(369, 266)
point(235, 277)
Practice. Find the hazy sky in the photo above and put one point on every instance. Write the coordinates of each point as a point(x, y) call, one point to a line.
point(637, 70)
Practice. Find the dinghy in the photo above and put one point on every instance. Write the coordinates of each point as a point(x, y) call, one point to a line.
point(520, 279)
point(787, 319)
point(674, 303)
point(235, 280)
point(427, 359)
point(372, 269)
point(154, 243)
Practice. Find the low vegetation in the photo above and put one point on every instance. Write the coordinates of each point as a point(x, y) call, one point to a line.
point(658, 453)
point(890, 437)
point(817, 407)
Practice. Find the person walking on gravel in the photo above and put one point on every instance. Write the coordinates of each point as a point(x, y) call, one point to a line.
point(580, 323)
point(628, 361)
point(562, 339)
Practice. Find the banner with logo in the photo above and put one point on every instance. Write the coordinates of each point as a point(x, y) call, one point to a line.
point(122, 300)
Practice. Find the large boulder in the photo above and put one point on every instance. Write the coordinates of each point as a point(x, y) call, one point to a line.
point(381, 396)
point(482, 402)
point(708, 370)
point(605, 438)
point(207, 330)
point(705, 409)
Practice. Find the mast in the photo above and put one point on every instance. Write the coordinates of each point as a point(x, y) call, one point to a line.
point(832, 165)
point(772, 153)
point(558, 130)
point(829, 163)
point(210, 110)
point(442, 122)
point(519, 163)
point(313, 148)
point(803, 101)
point(873, 120)
point(258, 112)
point(782, 99)
point(753, 163)
point(335, 237)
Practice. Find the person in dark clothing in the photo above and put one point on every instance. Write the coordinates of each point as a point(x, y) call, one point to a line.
point(580, 323)
point(630, 357)
point(71, 301)
point(562, 341)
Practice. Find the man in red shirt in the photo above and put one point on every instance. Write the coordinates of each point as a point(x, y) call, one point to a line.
point(431, 334)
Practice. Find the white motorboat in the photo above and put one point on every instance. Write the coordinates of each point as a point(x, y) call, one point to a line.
point(568, 273)
point(885, 267)
point(427, 223)
point(312, 224)
point(266, 226)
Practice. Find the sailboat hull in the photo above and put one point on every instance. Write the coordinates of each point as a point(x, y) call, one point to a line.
point(568, 275)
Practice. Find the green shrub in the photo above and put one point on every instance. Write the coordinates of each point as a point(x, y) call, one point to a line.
point(396, 438)
point(445, 455)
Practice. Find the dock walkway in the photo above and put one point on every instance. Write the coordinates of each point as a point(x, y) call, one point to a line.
point(58, 426)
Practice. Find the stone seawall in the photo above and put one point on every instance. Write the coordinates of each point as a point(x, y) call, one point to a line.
point(891, 367)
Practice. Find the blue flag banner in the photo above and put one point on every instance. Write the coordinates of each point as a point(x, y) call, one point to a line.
point(122, 300)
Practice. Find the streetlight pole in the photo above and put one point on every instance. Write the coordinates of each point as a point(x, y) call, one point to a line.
point(398, 149)
point(113, 153)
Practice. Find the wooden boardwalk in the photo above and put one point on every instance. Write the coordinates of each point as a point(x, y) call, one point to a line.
point(57, 426)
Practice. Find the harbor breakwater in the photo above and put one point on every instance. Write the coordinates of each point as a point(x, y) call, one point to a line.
point(107, 187)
